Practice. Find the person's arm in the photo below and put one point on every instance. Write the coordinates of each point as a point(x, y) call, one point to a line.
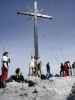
point(8, 60)
point(5, 65)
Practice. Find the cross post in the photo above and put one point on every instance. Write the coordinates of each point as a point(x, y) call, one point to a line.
point(35, 14)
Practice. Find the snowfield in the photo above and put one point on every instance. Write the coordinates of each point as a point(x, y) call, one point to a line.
point(53, 89)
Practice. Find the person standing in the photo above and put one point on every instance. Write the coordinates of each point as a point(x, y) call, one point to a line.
point(48, 70)
point(32, 66)
point(5, 62)
point(66, 70)
point(73, 69)
point(62, 70)
point(70, 69)
point(39, 68)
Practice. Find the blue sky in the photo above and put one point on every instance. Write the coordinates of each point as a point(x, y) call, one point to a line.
point(56, 37)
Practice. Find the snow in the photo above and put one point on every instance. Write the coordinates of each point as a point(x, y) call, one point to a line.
point(53, 89)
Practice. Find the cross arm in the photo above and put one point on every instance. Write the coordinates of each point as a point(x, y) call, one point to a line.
point(34, 14)
point(44, 16)
point(25, 13)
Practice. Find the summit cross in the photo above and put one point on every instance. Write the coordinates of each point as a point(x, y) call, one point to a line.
point(35, 14)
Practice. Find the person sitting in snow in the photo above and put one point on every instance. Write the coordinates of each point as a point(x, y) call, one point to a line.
point(18, 75)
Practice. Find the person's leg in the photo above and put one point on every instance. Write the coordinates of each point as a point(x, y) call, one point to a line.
point(60, 73)
point(4, 77)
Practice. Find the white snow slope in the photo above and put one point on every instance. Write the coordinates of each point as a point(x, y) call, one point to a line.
point(53, 89)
